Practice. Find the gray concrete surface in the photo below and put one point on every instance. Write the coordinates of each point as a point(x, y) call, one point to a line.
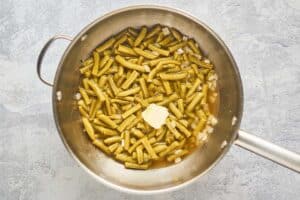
point(264, 37)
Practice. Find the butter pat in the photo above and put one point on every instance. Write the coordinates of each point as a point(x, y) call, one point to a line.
point(155, 115)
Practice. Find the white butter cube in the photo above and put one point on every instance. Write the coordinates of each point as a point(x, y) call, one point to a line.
point(155, 115)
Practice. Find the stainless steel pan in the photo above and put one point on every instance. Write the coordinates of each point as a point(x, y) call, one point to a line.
point(111, 173)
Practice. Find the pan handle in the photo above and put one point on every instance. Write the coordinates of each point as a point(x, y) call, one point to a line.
point(43, 52)
point(268, 150)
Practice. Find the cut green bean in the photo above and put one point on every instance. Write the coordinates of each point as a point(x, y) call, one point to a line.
point(131, 165)
point(129, 65)
point(172, 76)
point(194, 101)
point(106, 45)
point(107, 121)
point(158, 50)
point(146, 54)
point(102, 146)
point(126, 123)
point(129, 92)
point(89, 128)
point(130, 80)
point(175, 110)
point(105, 131)
point(131, 111)
point(169, 99)
point(140, 37)
point(112, 139)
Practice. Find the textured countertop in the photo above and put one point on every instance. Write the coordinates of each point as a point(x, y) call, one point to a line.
point(264, 37)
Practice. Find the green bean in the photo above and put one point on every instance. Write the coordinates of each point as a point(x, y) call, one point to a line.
point(149, 148)
point(107, 121)
point(184, 122)
point(183, 129)
point(149, 41)
point(167, 87)
point(145, 54)
point(131, 165)
point(176, 34)
point(105, 131)
point(159, 67)
point(119, 101)
point(194, 101)
point(120, 41)
point(86, 68)
point(180, 154)
point(192, 45)
point(126, 50)
point(133, 147)
point(175, 110)
point(199, 127)
point(129, 92)
point(139, 154)
point(102, 81)
point(126, 140)
point(170, 148)
point(160, 37)
point(131, 111)
point(132, 141)
point(135, 122)
point(89, 128)
point(204, 92)
point(105, 67)
point(85, 97)
point(172, 76)
point(132, 77)
point(112, 139)
point(176, 46)
point(154, 31)
point(169, 99)
point(130, 40)
point(113, 86)
point(152, 140)
point(126, 123)
point(103, 61)
point(137, 133)
point(180, 105)
point(129, 65)
point(88, 61)
point(124, 158)
point(106, 45)
point(173, 129)
point(97, 90)
point(195, 85)
point(83, 112)
point(156, 61)
point(102, 146)
point(159, 148)
point(107, 105)
point(119, 150)
point(166, 40)
point(96, 63)
point(195, 60)
point(112, 148)
point(141, 36)
point(97, 122)
point(144, 87)
point(158, 50)
point(161, 134)
point(98, 104)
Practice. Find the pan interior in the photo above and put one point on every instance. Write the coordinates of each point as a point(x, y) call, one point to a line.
point(106, 169)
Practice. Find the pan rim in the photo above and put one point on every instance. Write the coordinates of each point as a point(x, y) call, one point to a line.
point(168, 9)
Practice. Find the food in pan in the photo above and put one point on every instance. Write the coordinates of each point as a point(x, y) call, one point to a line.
point(148, 96)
